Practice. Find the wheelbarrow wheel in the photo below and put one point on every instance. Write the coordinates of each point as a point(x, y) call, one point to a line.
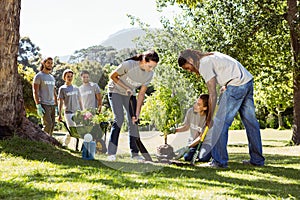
point(100, 146)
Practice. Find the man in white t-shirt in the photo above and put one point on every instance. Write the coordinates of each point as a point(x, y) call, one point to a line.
point(44, 95)
point(237, 96)
point(90, 92)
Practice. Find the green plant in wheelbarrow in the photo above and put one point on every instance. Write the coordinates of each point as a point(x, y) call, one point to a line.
point(90, 121)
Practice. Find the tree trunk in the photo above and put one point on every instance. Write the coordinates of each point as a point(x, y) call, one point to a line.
point(293, 21)
point(280, 117)
point(280, 120)
point(12, 112)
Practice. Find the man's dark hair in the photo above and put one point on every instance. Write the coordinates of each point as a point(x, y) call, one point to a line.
point(84, 72)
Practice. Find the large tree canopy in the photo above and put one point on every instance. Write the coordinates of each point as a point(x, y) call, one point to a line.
point(263, 35)
point(257, 33)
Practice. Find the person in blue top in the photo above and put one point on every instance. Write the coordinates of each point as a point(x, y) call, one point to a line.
point(135, 72)
point(237, 96)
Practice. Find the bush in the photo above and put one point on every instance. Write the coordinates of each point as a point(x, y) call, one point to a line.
point(262, 124)
point(288, 121)
point(236, 124)
point(272, 121)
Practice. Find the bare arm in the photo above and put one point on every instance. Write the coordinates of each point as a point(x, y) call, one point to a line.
point(99, 101)
point(211, 85)
point(140, 100)
point(36, 88)
point(183, 128)
point(55, 97)
point(60, 105)
point(80, 102)
point(115, 77)
point(198, 139)
point(195, 141)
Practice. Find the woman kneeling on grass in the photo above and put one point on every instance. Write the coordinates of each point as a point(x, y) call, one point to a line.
point(195, 120)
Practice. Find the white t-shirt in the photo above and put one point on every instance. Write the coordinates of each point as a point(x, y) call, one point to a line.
point(225, 69)
point(46, 84)
point(195, 121)
point(88, 95)
point(70, 94)
point(132, 76)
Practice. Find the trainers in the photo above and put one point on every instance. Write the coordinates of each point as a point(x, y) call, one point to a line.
point(111, 158)
point(247, 162)
point(213, 165)
point(138, 158)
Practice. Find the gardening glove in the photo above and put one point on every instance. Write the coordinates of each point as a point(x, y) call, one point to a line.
point(40, 110)
point(172, 130)
point(180, 152)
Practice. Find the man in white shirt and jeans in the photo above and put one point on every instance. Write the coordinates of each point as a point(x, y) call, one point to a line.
point(237, 86)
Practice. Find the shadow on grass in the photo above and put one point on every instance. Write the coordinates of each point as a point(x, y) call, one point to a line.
point(40, 151)
point(265, 181)
point(238, 181)
point(19, 189)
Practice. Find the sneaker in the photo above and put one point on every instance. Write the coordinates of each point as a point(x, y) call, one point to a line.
point(213, 165)
point(247, 162)
point(111, 158)
point(138, 158)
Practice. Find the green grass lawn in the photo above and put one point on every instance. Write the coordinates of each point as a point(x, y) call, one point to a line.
point(32, 170)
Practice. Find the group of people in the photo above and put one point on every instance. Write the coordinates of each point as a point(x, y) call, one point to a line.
point(70, 98)
point(136, 73)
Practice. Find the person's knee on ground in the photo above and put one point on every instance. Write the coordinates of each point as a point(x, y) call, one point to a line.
point(189, 155)
point(205, 153)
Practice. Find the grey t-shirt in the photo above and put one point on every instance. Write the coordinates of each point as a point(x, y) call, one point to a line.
point(88, 95)
point(224, 68)
point(132, 76)
point(196, 123)
point(70, 94)
point(46, 84)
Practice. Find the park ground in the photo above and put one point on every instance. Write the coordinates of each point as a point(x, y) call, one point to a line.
point(236, 138)
point(35, 170)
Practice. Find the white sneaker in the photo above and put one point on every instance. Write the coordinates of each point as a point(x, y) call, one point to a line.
point(138, 158)
point(111, 158)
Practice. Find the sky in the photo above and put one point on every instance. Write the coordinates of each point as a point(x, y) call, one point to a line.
point(59, 27)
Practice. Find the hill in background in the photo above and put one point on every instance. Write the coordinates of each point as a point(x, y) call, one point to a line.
point(123, 38)
point(119, 40)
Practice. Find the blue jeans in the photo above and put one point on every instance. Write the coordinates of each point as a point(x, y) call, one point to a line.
point(205, 157)
point(236, 99)
point(117, 103)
